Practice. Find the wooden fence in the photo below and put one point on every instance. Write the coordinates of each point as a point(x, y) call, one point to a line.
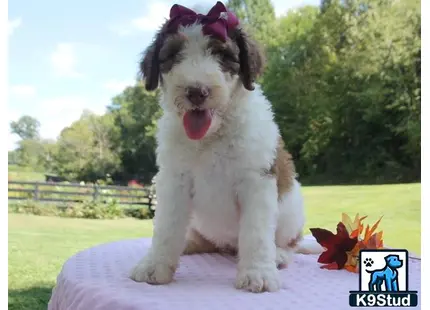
point(76, 193)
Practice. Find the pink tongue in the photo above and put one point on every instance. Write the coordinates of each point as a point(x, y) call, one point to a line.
point(197, 123)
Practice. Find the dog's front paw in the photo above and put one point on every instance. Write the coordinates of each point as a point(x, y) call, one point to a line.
point(152, 272)
point(258, 279)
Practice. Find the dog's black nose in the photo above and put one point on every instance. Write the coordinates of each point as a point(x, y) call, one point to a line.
point(197, 95)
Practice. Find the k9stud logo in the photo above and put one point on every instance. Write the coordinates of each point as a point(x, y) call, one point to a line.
point(383, 280)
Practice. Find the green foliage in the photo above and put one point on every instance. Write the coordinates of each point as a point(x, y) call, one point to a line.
point(85, 149)
point(32, 151)
point(37, 154)
point(35, 208)
point(95, 210)
point(88, 210)
point(135, 114)
point(27, 127)
point(12, 157)
point(346, 91)
point(257, 17)
point(119, 145)
point(139, 213)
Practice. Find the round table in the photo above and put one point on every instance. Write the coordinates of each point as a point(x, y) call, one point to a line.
point(97, 278)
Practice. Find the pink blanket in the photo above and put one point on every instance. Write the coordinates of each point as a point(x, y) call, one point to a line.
point(97, 278)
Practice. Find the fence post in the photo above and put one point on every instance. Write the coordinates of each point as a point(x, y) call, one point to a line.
point(96, 192)
point(36, 191)
point(150, 209)
point(149, 201)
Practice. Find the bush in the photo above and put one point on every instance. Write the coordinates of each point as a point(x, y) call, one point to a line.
point(95, 210)
point(141, 213)
point(34, 207)
point(88, 210)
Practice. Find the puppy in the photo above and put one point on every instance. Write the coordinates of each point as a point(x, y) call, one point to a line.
point(225, 181)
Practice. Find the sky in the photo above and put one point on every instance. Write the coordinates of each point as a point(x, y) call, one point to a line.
point(67, 56)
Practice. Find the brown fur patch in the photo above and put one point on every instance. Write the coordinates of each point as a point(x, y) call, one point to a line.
point(227, 54)
point(149, 68)
point(170, 52)
point(150, 62)
point(251, 58)
point(241, 55)
point(283, 168)
point(295, 241)
point(197, 244)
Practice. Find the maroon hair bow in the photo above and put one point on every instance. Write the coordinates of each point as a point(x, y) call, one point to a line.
point(216, 23)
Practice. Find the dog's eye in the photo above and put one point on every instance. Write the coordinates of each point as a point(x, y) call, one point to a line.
point(171, 50)
point(225, 52)
point(228, 55)
point(168, 55)
point(225, 55)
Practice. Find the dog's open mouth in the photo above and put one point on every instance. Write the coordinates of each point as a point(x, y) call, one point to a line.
point(197, 122)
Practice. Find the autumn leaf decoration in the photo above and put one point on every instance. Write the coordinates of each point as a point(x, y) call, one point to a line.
point(342, 248)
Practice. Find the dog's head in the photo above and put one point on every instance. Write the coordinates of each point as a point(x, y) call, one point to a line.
point(200, 61)
point(393, 261)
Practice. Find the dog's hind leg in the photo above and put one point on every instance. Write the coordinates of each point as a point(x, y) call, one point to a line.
point(289, 230)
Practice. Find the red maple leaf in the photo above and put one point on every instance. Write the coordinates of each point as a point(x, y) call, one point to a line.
point(336, 246)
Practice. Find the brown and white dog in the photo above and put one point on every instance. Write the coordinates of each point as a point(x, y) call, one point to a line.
point(225, 181)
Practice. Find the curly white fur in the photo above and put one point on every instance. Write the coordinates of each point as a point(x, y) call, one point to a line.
point(216, 185)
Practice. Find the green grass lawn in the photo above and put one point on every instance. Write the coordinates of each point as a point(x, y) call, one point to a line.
point(38, 246)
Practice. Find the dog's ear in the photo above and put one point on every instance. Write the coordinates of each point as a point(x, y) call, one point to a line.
point(150, 64)
point(251, 58)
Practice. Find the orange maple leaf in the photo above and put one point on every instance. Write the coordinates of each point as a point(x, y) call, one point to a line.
point(375, 241)
point(371, 240)
point(351, 268)
point(352, 261)
point(369, 231)
point(355, 227)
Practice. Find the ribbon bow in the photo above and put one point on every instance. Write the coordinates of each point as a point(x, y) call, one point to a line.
point(216, 23)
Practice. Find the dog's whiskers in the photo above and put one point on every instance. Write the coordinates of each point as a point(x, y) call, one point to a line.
point(178, 103)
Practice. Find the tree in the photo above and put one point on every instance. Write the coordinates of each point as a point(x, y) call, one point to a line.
point(46, 160)
point(13, 158)
point(345, 90)
point(136, 112)
point(27, 127)
point(32, 151)
point(36, 154)
point(258, 17)
point(84, 150)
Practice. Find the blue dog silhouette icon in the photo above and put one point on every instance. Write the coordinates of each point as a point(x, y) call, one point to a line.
point(388, 274)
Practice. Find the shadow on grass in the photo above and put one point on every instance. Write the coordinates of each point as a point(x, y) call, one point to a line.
point(34, 298)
